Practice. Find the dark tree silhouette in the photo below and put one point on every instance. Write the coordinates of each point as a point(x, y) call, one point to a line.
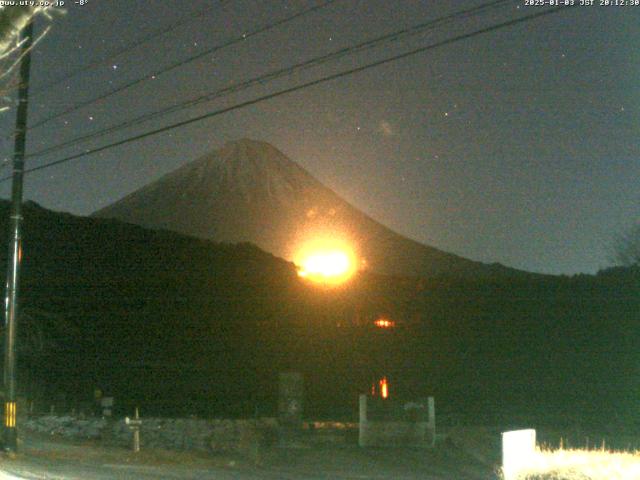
point(626, 247)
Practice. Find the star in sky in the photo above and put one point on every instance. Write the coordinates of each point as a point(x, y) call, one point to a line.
point(489, 102)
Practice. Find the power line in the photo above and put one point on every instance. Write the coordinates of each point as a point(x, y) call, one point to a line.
point(181, 63)
point(262, 79)
point(129, 47)
point(302, 86)
point(117, 53)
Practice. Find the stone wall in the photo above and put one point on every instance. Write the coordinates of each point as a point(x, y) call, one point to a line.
point(216, 436)
point(383, 423)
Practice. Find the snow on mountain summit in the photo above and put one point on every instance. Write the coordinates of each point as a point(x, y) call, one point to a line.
point(249, 191)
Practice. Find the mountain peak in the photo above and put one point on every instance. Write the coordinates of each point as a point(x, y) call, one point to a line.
point(256, 153)
point(244, 144)
point(243, 149)
point(249, 167)
point(249, 191)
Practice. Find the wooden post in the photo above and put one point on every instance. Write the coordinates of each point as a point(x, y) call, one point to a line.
point(134, 424)
point(431, 420)
point(362, 425)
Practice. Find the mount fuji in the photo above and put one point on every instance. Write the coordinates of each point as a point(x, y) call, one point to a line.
point(249, 191)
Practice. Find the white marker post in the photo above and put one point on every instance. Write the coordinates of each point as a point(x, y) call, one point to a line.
point(134, 424)
point(518, 451)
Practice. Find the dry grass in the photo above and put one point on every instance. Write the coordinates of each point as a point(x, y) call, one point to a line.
point(576, 464)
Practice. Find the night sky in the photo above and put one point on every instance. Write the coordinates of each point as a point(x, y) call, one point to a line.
point(517, 146)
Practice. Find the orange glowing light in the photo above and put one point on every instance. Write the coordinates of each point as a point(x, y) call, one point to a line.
point(384, 323)
point(384, 388)
point(326, 261)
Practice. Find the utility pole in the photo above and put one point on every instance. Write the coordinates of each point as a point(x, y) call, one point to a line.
point(15, 247)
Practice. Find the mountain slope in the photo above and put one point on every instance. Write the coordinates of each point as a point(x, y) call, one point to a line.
point(249, 191)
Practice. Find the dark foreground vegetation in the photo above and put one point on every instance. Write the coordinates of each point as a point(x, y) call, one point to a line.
point(184, 326)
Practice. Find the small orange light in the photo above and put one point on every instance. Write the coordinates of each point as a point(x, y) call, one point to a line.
point(384, 388)
point(384, 323)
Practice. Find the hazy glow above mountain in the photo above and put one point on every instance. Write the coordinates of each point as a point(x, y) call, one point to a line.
point(326, 261)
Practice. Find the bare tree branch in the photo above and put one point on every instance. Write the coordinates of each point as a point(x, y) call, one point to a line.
point(626, 248)
point(12, 21)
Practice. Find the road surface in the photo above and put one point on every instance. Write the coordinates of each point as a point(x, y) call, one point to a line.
point(43, 458)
